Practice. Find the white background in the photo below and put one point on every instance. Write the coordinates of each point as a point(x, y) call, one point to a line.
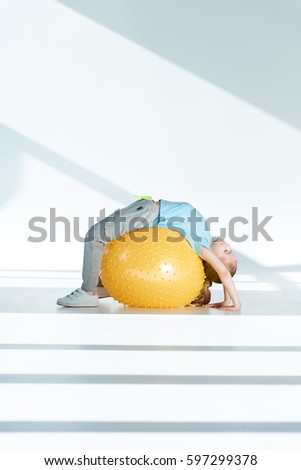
point(72, 89)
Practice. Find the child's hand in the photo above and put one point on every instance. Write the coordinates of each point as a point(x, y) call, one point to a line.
point(223, 306)
point(231, 308)
point(219, 305)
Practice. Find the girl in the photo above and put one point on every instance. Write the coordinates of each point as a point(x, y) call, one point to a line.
point(219, 261)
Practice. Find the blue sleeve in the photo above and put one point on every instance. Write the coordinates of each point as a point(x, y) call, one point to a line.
point(201, 231)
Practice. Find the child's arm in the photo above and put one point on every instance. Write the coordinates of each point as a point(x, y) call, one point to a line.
point(227, 302)
point(230, 291)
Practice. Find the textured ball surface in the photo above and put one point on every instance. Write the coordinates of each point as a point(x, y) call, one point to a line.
point(150, 269)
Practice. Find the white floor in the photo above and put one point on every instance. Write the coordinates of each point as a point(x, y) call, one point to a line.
point(139, 379)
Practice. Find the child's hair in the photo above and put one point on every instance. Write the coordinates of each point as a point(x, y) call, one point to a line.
point(211, 276)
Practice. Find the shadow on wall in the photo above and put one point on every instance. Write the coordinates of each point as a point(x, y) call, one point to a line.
point(9, 167)
point(269, 274)
point(13, 144)
point(250, 49)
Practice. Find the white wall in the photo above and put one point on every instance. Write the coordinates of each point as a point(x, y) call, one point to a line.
point(74, 92)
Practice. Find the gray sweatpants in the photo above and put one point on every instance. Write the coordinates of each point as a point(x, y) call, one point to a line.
point(137, 215)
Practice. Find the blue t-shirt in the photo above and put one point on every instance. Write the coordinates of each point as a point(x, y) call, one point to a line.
point(184, 218)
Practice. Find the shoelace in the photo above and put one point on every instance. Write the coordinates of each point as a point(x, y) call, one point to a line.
point(75, 293)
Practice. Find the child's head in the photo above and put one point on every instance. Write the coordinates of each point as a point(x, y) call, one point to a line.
point(223, 251)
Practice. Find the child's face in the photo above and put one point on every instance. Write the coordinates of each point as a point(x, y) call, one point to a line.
point(223, 251)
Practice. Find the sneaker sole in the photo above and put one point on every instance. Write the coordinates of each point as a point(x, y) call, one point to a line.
point(78, 306)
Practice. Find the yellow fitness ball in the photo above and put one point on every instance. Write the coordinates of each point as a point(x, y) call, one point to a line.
point(152, 268)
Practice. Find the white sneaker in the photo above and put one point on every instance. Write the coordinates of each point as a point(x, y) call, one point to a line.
point(78, 298)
